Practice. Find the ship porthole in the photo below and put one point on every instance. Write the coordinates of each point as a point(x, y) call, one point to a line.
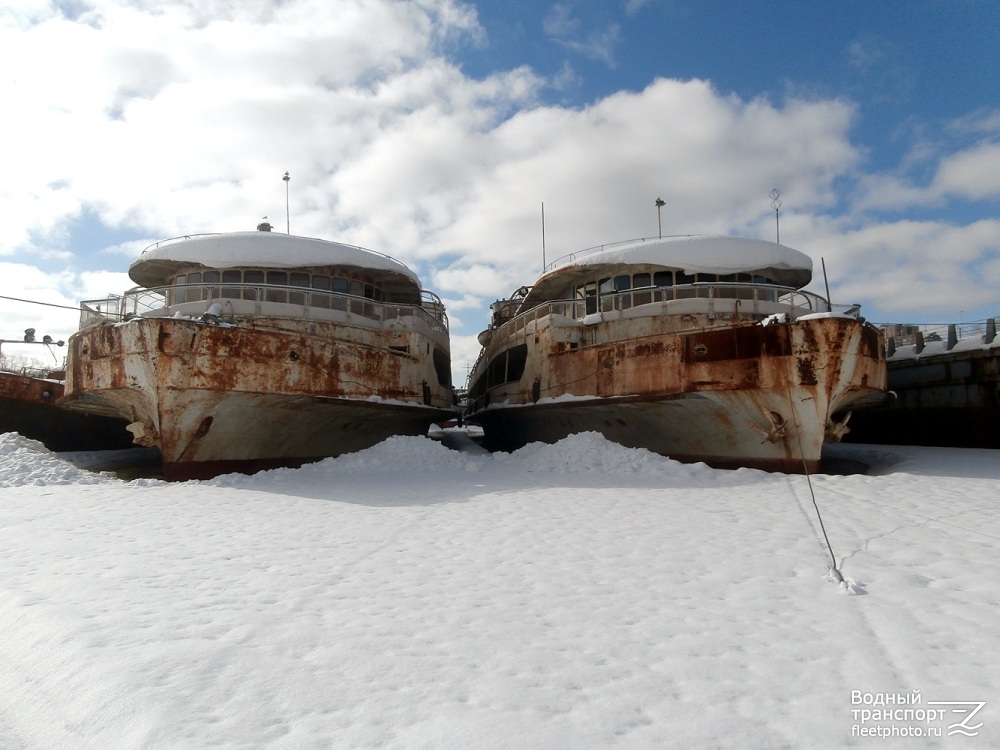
point(293, 355)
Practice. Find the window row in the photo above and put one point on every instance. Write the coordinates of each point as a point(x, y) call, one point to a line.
point(611, 293)
point(625, 282)
point(242, 284)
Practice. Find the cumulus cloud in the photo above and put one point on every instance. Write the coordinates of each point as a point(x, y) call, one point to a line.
point(900, 267)
point(49, 303)
point(972, 173)
point(170, 115)
point(155, 119)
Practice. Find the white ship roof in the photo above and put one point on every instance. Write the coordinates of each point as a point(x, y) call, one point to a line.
point(701, 253)
point(159, 262)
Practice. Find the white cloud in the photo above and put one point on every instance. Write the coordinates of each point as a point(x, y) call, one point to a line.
point(562, 25)
point(388, 144)
point(170, 118)
point(464, 352)
point(52, 306)
point(974, 173)
point(634, 6)
point(908, 271)
point(980, 121)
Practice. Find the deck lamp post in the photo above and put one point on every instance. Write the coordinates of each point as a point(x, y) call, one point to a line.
point(288, 226)
point(660, 203)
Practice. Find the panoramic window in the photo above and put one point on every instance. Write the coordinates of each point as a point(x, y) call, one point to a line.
point(277, 278)
point(507, 366)
point(297, 279)
point(322, 285)
point(194, 295)
point(235, 283)
point(251, 277)
point(178, 295)
point(231, 277)
point(605, 288)
point(442, 367)
point(590, 296)
point(516, 358)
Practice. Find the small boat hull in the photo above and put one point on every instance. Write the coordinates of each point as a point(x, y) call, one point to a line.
point(28, 407)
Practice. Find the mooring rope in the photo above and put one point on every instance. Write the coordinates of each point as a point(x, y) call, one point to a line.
point(805, 469)
point(833, 558)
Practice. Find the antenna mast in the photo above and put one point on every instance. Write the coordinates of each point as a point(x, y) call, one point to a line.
point(776, 204)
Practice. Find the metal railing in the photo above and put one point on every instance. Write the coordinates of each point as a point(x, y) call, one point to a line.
point(165, 301)
point(919, 335)
point(793, 299)
point(747, 298)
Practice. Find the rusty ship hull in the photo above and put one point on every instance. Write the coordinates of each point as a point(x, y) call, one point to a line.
point(700, 348)
point(253, 350)
point(764, 397)
point(28, 407)
point(222, 399)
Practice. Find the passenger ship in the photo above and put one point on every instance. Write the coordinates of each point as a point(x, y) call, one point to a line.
point(701, 348)
point(252, 350)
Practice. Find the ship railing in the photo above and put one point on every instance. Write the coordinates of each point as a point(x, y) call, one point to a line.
point(96, 310)
point(757, 300)
point(919, 335)
point(756, 296)
point(796, 300)
point(259, 299)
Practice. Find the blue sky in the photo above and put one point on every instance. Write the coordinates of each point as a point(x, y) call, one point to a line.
point(433, 130)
